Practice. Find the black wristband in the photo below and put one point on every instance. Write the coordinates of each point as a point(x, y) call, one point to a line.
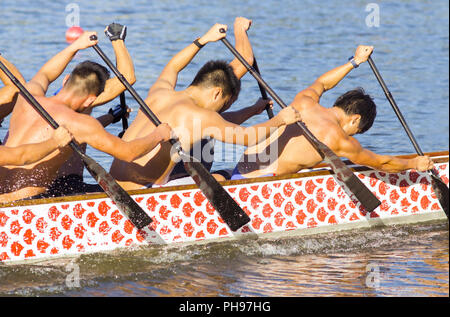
point(196, 42)
point(116, 31)
point(117, 112)
point(352, 61)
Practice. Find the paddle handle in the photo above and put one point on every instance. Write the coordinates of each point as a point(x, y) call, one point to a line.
point(394, 106)
point(262, 90)
point(35, 104)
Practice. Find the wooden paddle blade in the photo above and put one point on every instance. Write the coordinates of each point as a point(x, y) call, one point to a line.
point(441, 191)
point(118, 195)
point(229, 210)
point(345, 175)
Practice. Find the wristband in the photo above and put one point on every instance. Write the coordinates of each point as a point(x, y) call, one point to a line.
point(352, 60)
point(117, 112)
point(196, 42)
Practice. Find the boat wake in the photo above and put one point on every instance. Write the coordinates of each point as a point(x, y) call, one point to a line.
point(100, 273)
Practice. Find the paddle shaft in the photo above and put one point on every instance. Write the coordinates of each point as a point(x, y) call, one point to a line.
point(394, 106)
point(117, 194)
point(440, 189)
point(262, 90)
point(123, 105)
point(343, 173)
point(127, 85)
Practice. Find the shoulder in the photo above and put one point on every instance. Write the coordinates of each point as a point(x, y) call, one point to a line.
point(304, 102)
point(313, 92)
point(345, 145)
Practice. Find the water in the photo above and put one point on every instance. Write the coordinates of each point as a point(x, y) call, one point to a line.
point(294, 42)
point(397, 261)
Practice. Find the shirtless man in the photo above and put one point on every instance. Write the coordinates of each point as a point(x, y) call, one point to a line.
point(204, 150)
point(86, 84)
point(353, 112)
point(193, 113)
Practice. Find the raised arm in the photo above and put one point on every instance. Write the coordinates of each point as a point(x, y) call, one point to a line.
point(113, 87)
point(9, 92)
point(243, 46)
point(30, 153)
point(13, 69)
point(331, 78)
point(169, 75)
point(227, 132)
point(55, 66)
point(350, 148)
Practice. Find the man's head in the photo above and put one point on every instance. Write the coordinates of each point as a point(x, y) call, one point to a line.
point(86, 82)
point(359, 109)
point(218, 78)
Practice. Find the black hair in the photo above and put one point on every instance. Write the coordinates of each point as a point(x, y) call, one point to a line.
point(356, 101)
point(88, 78)
point(218, 74)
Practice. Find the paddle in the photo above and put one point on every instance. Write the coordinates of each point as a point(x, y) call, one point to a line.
point(124, 117)
point(229, 210)
point(262, 90)
point(439, 187)
point(343, 173)
point(117, 194)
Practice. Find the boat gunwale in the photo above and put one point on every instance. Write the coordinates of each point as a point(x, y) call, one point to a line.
point(437, 157)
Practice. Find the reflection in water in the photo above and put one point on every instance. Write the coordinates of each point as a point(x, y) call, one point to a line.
point(396, 261)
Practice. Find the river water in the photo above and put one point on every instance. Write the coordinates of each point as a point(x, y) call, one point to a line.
point(295, 42)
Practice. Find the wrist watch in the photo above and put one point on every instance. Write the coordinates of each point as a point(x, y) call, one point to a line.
point(353, 62)
point(196, 42)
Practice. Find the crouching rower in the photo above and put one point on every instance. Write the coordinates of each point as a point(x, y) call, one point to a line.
point(354, 112)
point(70, 178)
point(86, 84)
point(204, 150)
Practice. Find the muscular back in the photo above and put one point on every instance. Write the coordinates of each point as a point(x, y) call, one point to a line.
point(289, 150)
point(177, 110)
point(27, 126)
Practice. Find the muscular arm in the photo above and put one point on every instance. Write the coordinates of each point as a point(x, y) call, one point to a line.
point(325, 82)
point(242, 115)
point(26, 154)
point(243, 46)
point(169, 75)
point(55, 66)
point(89, 130)
point(331, 78)
point(216, 127)
point(349, 147)
point(8, 93)
point(113, 86)
point(30, 153)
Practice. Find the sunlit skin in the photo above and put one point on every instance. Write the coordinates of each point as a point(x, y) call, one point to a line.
point(332, 126)
point(180, 109)
point(66, 108)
